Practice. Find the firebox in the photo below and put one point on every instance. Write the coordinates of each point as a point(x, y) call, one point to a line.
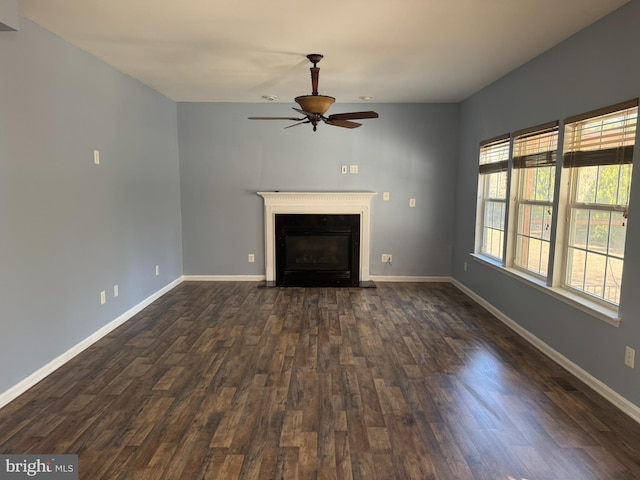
point(316, 250)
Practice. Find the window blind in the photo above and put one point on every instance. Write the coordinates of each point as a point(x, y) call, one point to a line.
point(494, 155)
point(602, 137)
point(536, 146)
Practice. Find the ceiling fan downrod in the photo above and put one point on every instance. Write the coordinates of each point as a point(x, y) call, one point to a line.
point(315, 71)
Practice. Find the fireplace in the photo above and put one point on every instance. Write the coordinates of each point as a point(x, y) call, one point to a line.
point(357, 204)
point(317, 250)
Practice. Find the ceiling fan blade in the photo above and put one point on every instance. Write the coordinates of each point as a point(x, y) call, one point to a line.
point(300, 123)
point(307, 114)
point(293, 119)
point(342, 123)
point(353, 116)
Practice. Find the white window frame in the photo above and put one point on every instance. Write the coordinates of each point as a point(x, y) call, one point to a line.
point(579, 154)
point(574, 207)
point(494, 159)
point(534, 148)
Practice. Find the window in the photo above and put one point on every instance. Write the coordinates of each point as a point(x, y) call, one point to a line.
point(494, 161)
point(598, 150)
point(534, 159)
point(565, 237)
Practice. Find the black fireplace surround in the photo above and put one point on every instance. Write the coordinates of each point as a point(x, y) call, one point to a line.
point(317, 250)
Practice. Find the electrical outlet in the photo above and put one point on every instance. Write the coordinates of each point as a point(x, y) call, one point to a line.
point(116, 290)
point(344, 169)
point(385, 196)
point(103, 297)
point(412, 202)
point(629, 357)
point(251, 258)
point(386, 258)
point(353, 168)
point(157, 270)
point(389, 258)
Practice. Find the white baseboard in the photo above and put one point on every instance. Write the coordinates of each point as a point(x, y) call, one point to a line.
point(607, 392)
point(24, 385)
point(223, 278)
point(392, 278)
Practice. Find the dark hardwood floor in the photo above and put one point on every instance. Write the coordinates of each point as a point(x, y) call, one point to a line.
point(404, 381)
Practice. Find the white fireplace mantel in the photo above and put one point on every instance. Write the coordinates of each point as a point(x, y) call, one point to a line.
point(356, 203)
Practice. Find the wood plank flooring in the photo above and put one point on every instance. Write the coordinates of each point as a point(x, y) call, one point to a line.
point(404, 381)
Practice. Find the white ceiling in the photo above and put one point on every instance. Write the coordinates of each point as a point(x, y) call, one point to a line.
point(393, 50)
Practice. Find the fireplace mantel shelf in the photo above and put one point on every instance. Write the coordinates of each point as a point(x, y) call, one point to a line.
point(317, 198)
point(317, 202)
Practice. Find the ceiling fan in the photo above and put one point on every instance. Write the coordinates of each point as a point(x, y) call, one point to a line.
point(314, 106)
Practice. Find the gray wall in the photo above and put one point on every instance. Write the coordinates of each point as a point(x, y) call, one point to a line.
point(9, 15)
point(410, 151)
point(595, 68)
point(69, 229)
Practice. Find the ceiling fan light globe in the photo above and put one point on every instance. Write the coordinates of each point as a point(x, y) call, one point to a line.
point(315, 103)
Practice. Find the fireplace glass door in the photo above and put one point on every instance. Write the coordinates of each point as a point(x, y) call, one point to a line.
point(317, 250)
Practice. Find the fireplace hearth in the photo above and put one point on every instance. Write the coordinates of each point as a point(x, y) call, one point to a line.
point(316, 250)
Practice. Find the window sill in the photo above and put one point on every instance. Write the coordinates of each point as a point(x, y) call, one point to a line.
point(596, 310)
